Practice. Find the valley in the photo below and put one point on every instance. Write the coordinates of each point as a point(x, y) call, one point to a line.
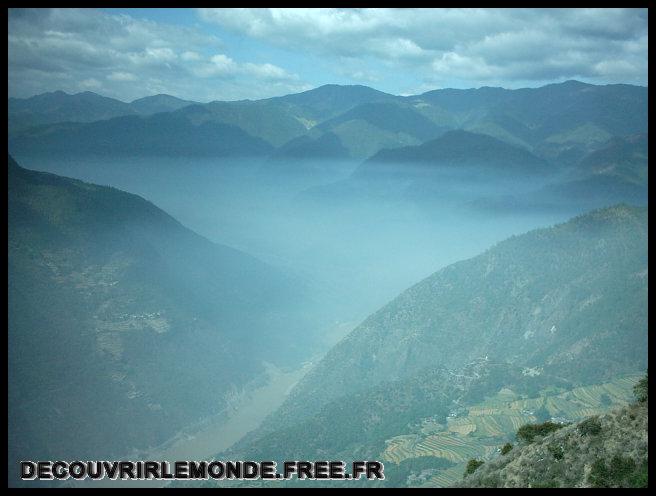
point(336, 273)
point(245, 412)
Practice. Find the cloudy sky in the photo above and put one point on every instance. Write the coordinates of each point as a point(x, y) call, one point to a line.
point(230, 54)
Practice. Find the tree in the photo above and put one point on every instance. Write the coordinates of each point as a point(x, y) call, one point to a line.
point(641, 388)
point(528, 432)
point(472, 466)
point(590, 426)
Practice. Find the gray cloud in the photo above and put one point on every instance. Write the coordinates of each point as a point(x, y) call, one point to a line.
point(398, 50)
point(466, 47)
point(119, 56)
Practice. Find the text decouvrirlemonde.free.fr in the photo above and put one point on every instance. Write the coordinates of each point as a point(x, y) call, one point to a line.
point(235, 470)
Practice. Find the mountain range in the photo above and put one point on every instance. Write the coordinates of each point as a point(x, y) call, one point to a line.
point(121, 314)
point(570, 118)
point(586, 142)
point(58, 106)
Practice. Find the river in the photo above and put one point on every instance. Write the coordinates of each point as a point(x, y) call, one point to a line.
point(219, 432)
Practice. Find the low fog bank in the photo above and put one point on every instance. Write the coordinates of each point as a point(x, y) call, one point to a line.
point(351, 245)
point(355, 248)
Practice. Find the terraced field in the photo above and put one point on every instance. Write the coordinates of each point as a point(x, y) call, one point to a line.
point(451, 446)
point(583, 401)
point(489, 424)
point(446, 477)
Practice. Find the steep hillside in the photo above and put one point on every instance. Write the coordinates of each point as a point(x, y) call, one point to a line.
point(426, 428)
point(121, 315)
point(548, 323)
point(360, 425)
point(601, 451)
point(568, 301)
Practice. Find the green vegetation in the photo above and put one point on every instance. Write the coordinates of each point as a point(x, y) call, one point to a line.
point(58, 107)
point(590, 426)
point(642, 388)
point(529, 432)
point(472, 466)
point(506, 448)
point(450, 439)
point(620, 471)
point(609, 450)
point(556, 450)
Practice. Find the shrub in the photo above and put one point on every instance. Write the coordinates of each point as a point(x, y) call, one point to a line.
point(528, 432)
point(640, 477)
point(641, 388)
point(492, 480)
point(557, 451)
point(506, 448)
point(472, 466)
point(620, 472)
point(590, 426)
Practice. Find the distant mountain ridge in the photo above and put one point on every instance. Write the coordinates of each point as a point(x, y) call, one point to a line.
point(555, 122)
point(163, 134)
point(159, 103)
point(58, 106)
